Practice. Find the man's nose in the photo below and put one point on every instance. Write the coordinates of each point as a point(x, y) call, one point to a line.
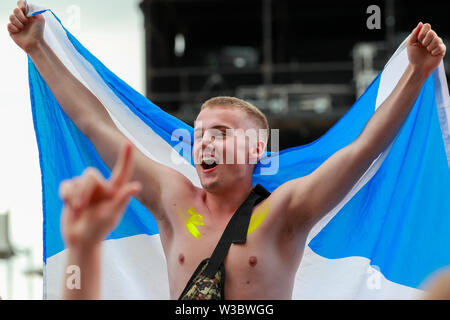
point(207, 147)
point(207, 139)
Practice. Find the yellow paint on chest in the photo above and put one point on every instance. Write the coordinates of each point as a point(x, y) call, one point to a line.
point(258, 217)
point(193, 221)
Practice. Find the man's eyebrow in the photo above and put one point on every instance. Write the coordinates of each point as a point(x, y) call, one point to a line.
point(221, 127)
point(215, 127)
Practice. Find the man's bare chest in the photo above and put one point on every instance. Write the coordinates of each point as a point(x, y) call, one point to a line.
point(195, 237)
point(244, 263)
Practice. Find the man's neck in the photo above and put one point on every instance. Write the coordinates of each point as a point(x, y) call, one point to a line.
point(223, 205)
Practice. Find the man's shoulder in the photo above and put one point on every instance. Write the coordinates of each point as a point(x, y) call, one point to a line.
point(284, 204)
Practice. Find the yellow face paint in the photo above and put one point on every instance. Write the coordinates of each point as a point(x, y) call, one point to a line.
point(194, 220)
point(258, 217)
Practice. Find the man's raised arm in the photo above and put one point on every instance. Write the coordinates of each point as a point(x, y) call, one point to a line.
point(312, 196)
point(84, 109)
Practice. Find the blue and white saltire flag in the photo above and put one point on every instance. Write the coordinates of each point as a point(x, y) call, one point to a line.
point(382, 241)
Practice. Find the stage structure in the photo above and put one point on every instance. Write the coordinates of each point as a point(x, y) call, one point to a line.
point(303, 63)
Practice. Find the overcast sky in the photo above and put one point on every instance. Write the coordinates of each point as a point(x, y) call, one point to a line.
point(113, 31)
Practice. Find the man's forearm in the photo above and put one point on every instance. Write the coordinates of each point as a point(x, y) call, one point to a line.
point(87, 263)
point(82, 107)
point(384, 125)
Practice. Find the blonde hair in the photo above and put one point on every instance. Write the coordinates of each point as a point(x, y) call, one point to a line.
point(248, 108)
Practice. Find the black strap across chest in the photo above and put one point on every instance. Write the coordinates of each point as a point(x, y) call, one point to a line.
point(236, 230)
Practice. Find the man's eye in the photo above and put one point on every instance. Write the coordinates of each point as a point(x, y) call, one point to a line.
point(214, 135)
point(220, 135)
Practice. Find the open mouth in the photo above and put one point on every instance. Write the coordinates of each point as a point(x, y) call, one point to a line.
point(208, 164)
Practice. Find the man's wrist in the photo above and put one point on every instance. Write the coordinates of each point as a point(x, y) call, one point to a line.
point(85, 249)
point(418, 73)
point(35, 47)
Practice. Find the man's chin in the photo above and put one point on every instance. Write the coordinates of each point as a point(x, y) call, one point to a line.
point(210, 185)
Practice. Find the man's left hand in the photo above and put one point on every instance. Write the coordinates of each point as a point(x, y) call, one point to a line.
point(425, 49)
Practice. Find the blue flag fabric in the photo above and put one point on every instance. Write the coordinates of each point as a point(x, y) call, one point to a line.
point(382, 241)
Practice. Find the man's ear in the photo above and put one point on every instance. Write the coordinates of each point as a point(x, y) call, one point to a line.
point(257, 151)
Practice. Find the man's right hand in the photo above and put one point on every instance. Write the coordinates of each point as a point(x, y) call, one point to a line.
point(26, 32)
point(92, 118)
point(93, 205)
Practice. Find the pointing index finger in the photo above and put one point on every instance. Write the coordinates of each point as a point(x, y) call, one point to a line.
point(124, 166)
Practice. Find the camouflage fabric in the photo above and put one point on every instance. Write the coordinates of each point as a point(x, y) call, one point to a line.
point(201, 287)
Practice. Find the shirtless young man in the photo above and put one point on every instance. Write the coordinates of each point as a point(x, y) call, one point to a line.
point(265, 266)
